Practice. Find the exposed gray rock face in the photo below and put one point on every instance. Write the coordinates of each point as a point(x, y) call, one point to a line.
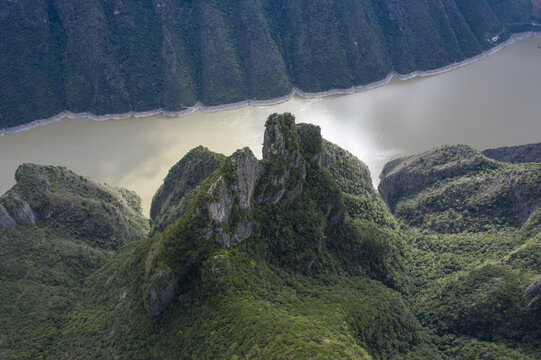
point(235, 186)
point(6, 221)
point(279, 139)
point(221, 209)
point(247, 170)
point(24, 214)
point(534, 288)
point(181, 185)
point(161, 292)
point(14, 210)
point(240, 233)
point(516, 154)
point(286, 170)
point(533, 292)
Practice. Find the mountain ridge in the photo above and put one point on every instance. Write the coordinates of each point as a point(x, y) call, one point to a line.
point(266, 52)
point(295, 92)
point(291, 256)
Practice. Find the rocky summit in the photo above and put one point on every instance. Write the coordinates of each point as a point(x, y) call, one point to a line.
point(291, 256)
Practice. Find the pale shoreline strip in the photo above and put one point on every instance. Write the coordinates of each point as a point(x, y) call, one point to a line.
point(254, 103)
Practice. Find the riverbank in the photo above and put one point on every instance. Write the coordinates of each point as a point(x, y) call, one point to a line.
point(269, 102)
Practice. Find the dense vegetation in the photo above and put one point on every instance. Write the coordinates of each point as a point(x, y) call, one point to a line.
point(56, 228)
point(114, 57)
point(293, 256)
point(515, 154)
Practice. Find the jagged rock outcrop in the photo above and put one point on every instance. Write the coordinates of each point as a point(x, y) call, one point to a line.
point(17, 212)
point(288, 203)
point(221, 211)
point(515, 154)
point(221, 214)
point(6, 221)
point(456, 188)
point(285, 168)
point(235, 186)
point(181, 185)
point(96, 213)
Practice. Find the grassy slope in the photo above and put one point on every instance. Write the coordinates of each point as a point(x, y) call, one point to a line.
point(41, 272)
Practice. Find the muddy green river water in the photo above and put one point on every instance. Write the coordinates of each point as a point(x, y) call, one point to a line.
point(493, 102)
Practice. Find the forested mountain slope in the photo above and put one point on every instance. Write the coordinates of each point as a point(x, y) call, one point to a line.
point(113, 56)
point(56, 228)
point(293, 256)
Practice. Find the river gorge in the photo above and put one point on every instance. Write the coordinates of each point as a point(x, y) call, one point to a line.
point(490, 103)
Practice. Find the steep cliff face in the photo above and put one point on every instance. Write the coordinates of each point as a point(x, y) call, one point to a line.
point(409, 175)
point(221, 214)
point(117, 56)
point(285, 167)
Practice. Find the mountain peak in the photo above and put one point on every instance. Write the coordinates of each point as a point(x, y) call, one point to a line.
point(103, 215)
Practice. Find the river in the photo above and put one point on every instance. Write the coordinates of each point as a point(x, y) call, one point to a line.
point(493, 102)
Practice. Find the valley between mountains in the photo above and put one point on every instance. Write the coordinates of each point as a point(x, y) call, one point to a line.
point(117, 57)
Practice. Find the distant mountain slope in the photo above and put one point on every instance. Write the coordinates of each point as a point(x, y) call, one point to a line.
point(456, 188)
point(56, 228)
point(515, 154)
point(114, 56)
